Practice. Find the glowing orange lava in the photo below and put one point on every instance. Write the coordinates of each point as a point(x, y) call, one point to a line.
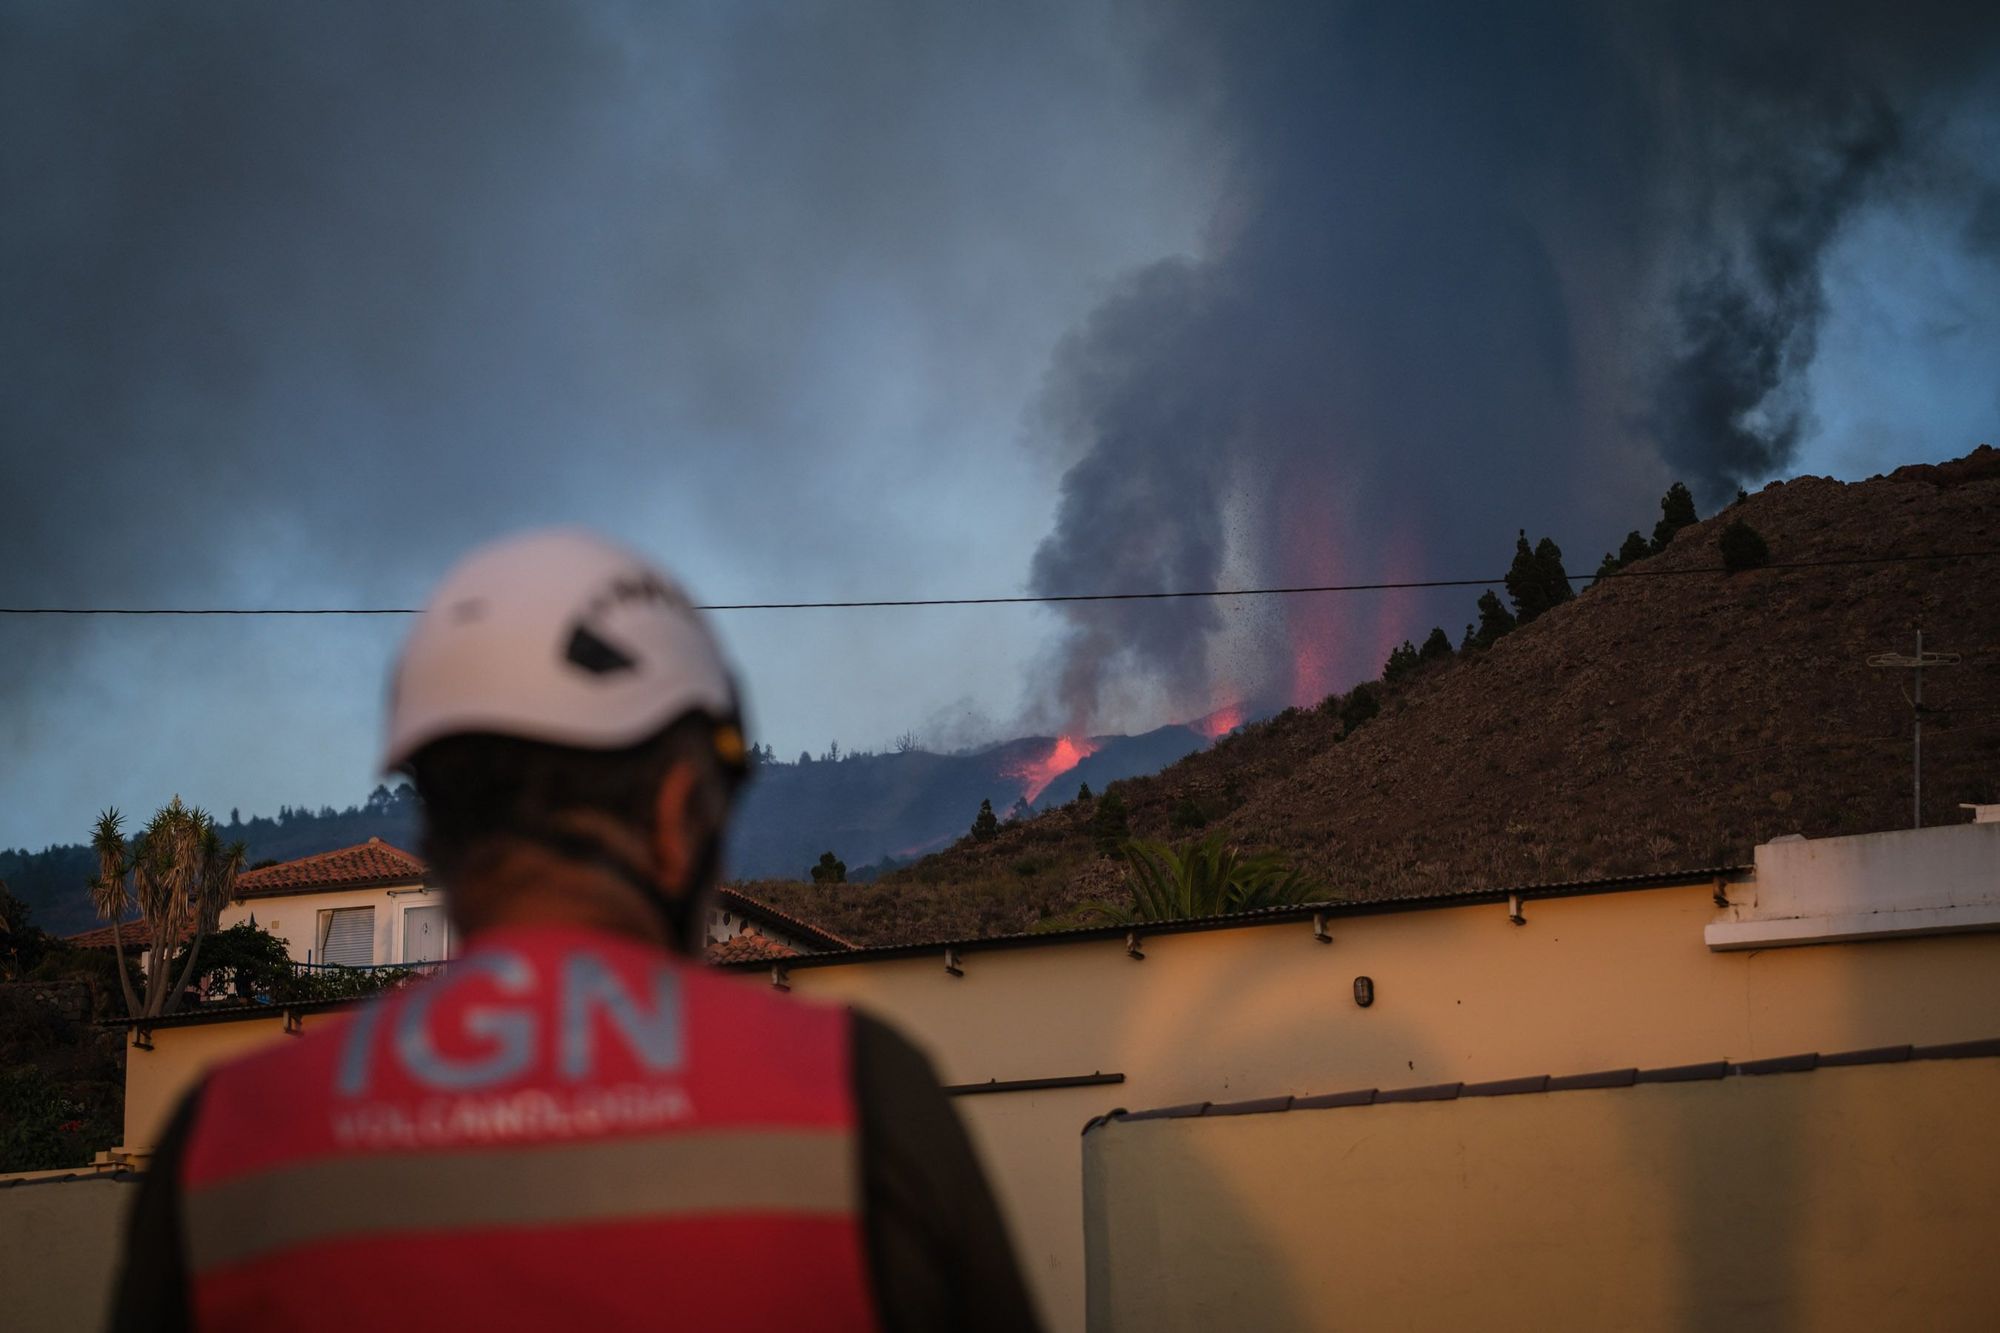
point(1068, 752)
point(1221, 722)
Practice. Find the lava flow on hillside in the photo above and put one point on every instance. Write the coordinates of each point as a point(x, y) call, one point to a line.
point(1036, 774)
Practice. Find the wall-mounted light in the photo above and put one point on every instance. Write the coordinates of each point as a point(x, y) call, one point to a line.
point(1364, 991)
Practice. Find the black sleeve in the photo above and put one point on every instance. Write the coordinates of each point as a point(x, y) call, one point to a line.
point(938, 1250)
point(153, 1286)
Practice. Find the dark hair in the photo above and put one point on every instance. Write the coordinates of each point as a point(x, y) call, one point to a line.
point(476, 786)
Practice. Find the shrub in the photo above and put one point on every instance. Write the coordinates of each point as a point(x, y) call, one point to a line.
point(1363, 703)
point(985, 824)
point(1110, 823)
point(1743, 547)
point(830, 870)
point(1187, 816)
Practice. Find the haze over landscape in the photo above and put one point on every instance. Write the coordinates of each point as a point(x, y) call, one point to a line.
point(870, 303)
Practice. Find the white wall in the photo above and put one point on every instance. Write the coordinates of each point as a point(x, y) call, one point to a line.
point(1910, 882)
point(295, 917)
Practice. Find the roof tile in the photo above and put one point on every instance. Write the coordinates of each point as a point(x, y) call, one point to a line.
point(748, 944)
point(1603, 1078)
point(1254, 1107)
point(1782, 1064)
point(371, 862)
point(1434, 1092)
point(134, 934)
point(1685, 1073)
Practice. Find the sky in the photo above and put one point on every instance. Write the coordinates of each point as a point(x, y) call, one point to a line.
point(297, 304)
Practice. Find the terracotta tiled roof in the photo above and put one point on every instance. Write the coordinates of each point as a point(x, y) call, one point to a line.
point(746, 946)
point(368, 863)
point(817, 936)
point(134, 933)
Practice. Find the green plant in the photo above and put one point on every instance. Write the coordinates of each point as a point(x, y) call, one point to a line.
point(1494, 621)
point(1363, 702)
point(1402, 662)
point(1537, 582)
point(1110, 823)
point(244, 960)
point(1743, 547)
point(1210, 878)
point(45, 1126)
point(1083, 792)
point(985, 824)
point(830, 870)
point(1676, 512)
point(1436, 648)
point(1187, 816)
point(179, 874)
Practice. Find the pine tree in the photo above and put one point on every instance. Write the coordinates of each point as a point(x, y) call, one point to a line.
point(1494, 621)
point(1537, 582)
point(1436, 648)
point(1083, 792)
point(1676, 512)
point(986, 824)
point(1524, 582)
point(1634, 549)
point(1402, 661)
point(830, 870)
point(1555, 579)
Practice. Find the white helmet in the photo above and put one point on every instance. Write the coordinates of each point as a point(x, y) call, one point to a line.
point(557, 636)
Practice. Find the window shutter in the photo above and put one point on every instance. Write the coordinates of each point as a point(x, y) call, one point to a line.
point(347, 937)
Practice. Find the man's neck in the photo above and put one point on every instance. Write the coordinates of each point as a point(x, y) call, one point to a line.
point(526, 884)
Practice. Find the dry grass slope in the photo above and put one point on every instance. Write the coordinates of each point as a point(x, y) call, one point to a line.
point(1652, 724)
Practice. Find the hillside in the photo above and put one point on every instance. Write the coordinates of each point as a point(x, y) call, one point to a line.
point(881, 809)
point(1669, 720)
point(866, 808)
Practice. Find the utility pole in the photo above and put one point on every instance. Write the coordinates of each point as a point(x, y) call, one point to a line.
point(1915, 666)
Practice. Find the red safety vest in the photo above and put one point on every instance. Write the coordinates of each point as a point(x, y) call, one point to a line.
point(563, 1130)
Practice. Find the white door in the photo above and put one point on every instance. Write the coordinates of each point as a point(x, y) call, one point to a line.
point(423, 934)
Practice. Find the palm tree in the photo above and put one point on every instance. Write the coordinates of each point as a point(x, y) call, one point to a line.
point(181, 876)
point(109, 894)
point(1208, 879)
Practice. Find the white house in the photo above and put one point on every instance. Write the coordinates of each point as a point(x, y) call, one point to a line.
point(374, 904)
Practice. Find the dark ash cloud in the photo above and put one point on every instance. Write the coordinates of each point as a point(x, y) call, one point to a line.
point(1470, 259)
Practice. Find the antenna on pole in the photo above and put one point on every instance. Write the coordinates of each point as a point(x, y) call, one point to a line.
point(1915, 666)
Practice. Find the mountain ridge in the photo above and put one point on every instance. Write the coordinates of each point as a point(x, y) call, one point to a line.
point(1668, 720)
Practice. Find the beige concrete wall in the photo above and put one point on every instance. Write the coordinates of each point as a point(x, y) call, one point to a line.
point(1597, 982)
point(156, 1080)
point(1858, 1198)
point(1588, 983)
point(61, 1240)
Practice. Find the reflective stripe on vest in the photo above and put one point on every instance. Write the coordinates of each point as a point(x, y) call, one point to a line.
point(563, 1129)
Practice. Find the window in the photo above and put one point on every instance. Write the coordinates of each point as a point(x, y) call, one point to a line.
point(347, 936)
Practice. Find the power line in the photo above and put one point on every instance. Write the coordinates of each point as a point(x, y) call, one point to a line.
point(1025, 599)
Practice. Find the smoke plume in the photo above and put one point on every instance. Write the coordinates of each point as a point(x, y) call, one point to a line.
point(1476, 267)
